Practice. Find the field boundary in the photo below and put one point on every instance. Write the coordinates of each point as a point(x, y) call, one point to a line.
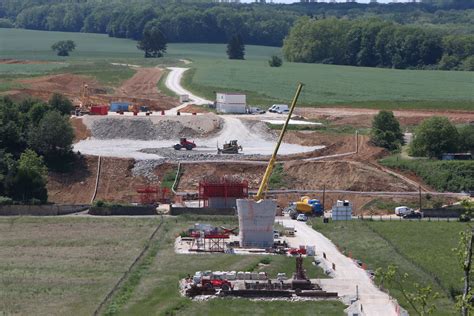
point(411, 261)
point(120, 282)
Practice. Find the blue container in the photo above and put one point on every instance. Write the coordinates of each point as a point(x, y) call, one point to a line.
point(119, 106)
point(317, 208)
point(143, 108)
point(313, 201)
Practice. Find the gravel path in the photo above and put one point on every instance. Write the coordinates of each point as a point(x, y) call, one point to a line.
point(347, 274)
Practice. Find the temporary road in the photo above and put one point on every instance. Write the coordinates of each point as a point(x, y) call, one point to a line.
point(349, 279)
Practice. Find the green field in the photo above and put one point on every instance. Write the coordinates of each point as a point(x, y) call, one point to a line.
point(212, 71)
point(64, 265)
point(421, 249)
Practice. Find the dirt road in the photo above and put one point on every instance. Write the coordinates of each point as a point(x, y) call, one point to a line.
point(347, 275)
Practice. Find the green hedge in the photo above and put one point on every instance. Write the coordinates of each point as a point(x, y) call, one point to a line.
point(453, 176)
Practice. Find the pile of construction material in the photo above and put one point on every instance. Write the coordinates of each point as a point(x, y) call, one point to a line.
point(253, 284)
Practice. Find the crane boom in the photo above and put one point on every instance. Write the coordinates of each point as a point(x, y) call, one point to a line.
point(268, 172)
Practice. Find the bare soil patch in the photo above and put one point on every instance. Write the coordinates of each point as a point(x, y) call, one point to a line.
point(142, 88)
point(80, 130)
point(24, 62)
point(116, 184)
point(194, 109)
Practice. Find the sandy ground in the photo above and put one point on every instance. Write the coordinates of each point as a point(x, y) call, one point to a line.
point(253, 141)
point(347, 274)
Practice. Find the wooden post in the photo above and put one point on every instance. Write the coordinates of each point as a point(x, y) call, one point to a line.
point(357, 141)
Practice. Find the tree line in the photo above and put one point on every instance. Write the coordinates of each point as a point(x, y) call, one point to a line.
point(261, 24)
point(34, 137)
point(377, 43)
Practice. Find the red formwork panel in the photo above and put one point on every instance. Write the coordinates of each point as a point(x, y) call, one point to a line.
point(223, 188)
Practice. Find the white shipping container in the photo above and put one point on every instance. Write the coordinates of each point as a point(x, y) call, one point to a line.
point(231, 98)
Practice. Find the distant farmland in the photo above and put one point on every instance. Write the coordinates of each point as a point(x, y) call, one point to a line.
point(212, 71)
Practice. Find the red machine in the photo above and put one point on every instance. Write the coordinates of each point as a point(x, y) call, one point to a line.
point(184, 143)
point(99, 110)
point(216, 284)
point(151, 195)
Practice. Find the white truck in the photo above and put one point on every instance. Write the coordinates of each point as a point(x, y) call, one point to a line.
point(279, 108)
point(403, 210)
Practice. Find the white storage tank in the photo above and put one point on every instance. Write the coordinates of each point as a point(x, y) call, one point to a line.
point(342, 211)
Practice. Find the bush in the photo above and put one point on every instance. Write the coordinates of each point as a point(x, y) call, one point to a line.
point(386, 131)
point(6, 24)
point(4, 200)
point(433, 137)
point(452, 176)
point(275, 61)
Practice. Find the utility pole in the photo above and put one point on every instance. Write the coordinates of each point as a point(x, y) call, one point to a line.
point(324, 195)
point(357, 141)
point(419, 191)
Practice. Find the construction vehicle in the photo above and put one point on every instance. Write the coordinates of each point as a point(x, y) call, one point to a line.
point(231, 147)
point(306, 206)
point(184, 143)
point(209, 284)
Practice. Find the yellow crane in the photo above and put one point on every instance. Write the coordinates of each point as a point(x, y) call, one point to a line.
point(268, 172)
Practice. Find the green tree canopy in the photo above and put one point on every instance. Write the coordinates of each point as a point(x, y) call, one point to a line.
point(63, 48)
point(433, 137)
point(466, 138)
point(236, 47)
point(275, 61)
point(61, 104)
point(386, 131)
point(153, 42)
point(53, 137)
point(30, 180)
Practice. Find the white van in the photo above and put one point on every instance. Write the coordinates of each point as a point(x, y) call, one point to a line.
point(278, 108)
point(403, 210)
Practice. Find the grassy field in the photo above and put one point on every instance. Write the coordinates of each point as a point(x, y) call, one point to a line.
point(421, 249)
point(212, 71)
point(57, 266)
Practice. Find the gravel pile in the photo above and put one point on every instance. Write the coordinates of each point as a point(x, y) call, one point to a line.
point(144, 129)
point(171, 155)
point(146, 168)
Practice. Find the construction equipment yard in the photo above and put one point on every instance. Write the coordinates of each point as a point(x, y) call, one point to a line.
point(241, 240)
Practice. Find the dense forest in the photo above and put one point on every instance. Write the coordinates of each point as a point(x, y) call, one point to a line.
point(377, 43)
point(449, 23)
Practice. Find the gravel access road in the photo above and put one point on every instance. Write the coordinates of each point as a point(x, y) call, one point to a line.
point(347, 274)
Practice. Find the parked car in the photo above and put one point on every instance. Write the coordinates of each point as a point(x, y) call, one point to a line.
point(256, 110)
point(302, 218)
point(283, 111)
point(278, 108)
point(402, 210)
point(413, 215)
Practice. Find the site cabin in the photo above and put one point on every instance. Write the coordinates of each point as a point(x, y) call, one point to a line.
point(231, 103)
point(184, 98)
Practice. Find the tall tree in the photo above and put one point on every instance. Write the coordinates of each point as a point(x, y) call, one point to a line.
point(236, 47)
point(30, 180)
point(386, 131)
point(433, 137)
point(61, 104)
point(153, 42)
point(63, 48)
point(53, 137)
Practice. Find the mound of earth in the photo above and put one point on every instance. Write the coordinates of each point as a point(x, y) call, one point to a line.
point(343, 175)
point(152, 128)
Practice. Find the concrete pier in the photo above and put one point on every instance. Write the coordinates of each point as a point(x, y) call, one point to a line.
point(256, 221)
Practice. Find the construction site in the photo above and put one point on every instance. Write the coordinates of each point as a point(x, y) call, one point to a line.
point(178, 155)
